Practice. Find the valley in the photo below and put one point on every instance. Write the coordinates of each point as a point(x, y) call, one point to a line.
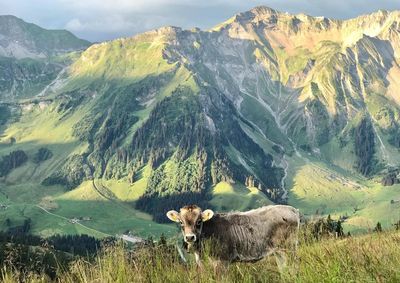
point(267, 107)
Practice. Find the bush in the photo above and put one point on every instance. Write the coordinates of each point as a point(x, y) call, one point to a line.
point(12, 161)
point(42, 154)
point(5, 114)
point(71, 175)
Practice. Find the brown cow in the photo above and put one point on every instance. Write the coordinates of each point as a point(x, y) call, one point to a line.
point(239, 236)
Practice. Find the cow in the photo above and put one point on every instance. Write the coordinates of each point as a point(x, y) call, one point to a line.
point(239, 236)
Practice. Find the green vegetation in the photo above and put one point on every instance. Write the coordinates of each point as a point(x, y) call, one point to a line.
point(368, 258)
point(52, 210)
point(5, 114)
point(186, 158)
point(321, 190)
point(14, 160)
point(364, 147)
point(229, 197)
point(71, 175)
point(42, 155)
point(24, 78)
point(320, 118)
point(171, 117)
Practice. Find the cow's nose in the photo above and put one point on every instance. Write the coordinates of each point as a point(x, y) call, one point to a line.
point(190, 238)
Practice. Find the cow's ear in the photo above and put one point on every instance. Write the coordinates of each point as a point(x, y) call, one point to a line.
point(173, 215)
point(207, 214)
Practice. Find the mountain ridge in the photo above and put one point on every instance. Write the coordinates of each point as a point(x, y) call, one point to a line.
point(31, 57)
point(265, 102)
point(31, 41)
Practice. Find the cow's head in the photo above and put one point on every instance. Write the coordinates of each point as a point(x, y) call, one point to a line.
point(191, 219)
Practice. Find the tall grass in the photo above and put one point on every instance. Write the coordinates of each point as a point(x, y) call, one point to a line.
point(369, 258)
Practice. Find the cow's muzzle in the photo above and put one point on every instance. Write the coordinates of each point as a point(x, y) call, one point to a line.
point(190, 238)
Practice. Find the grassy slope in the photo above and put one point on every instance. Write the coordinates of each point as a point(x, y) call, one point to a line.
point(325, 188)
point(370, 258)
point(129, 192)
point(228, 197)
point(44, 127)
point(23, 189)
point(322, 190)
point(107, 217)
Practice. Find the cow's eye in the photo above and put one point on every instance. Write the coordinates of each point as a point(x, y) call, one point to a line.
point(198, 223)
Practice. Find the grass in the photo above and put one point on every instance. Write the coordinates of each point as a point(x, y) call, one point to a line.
point(40, 126)
point(369, 258)
point(123, 58)
point(320, 189)
point(228, 197)
point(129, 192)
point(323, 192)
point(107, 217)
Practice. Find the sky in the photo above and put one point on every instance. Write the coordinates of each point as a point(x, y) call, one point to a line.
point(99, 20)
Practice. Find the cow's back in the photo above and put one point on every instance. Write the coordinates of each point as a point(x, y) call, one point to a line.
point(248, 236)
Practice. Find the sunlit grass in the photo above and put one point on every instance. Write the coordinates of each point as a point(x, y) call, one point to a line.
point(228, 197)
point(369, 258)
point(319, 190)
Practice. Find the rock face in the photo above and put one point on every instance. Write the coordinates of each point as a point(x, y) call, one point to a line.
point(244, 100)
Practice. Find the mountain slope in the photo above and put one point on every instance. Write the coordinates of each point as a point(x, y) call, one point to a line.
point(19, 39)
point(32, 57)
point(304, 109)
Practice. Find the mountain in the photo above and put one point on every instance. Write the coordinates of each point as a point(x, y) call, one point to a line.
point(31, 57)
point(19, 39)
point(266, 106)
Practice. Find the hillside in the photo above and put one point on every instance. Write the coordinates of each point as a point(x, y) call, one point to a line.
point(32, 58)
point(368, 258)
point(267, 106)
point(20, 39)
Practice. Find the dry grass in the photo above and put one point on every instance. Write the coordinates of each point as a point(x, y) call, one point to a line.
point(369, 258)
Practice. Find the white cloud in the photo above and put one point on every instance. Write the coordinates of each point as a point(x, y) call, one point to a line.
point(113, 23)
point(74, 25)
point(105, 19)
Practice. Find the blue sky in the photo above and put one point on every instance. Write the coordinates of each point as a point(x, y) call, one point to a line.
point(98, 20)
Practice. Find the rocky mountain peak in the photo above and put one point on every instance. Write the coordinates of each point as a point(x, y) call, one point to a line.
point(263, 11)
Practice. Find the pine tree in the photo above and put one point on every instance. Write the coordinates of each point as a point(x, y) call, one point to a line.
point(163, 240)
point(378, 227)
point(397, 225)
point(330, 224)
point(339, 229)
point(150, 241)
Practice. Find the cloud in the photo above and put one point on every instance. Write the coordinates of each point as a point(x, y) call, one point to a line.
point(98, 20)
point(113, 23)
